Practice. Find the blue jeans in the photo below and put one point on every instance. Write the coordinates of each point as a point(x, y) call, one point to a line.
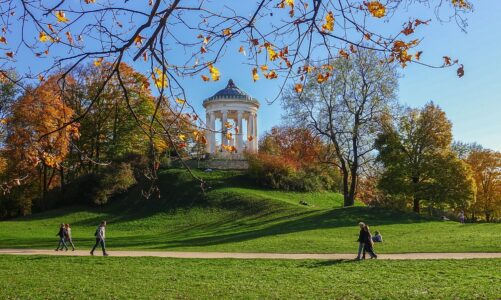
point(103, 245)
point(360, 249)
point(62, 244)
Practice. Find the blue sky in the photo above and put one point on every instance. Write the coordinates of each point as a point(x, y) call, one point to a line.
point(472, 103)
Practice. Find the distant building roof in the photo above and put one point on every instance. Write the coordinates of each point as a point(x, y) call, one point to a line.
point(231, 91)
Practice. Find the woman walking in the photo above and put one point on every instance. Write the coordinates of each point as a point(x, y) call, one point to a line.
point(368, 243)
point(68, 236)
point(61, 234)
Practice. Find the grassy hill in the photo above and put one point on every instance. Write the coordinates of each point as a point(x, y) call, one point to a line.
point(236, 216)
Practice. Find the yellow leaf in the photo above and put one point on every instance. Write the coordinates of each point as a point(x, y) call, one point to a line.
point(180, 101)
point(43, 37)
point(214, 72)
point(329, 22)
point(90, 1)
point(376, 9)
point(255, 75)
point(98, 61)
point(61, 17)
point(227, 32)
point(182, 137)
point(160, 79)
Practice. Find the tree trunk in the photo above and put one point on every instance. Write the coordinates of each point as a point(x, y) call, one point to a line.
point(416, 207)
point(350, 201)
point(346, 193)
point(44, 187)
point(61, 174)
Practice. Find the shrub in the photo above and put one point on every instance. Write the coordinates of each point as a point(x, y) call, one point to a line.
point(277, 172)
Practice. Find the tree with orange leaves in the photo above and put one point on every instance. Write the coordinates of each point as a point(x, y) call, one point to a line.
point(33, 137)
point(293, 143)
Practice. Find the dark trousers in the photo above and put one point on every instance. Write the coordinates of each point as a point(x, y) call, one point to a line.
point(62, 244)
point(368, 248)
point(103, 245)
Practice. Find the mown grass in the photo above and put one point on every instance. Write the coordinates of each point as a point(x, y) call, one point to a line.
point(236, 216)
point(44, 277)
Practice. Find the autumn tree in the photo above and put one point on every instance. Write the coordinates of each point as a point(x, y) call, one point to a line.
point(33, 137)
point(343, 104)
point(293, 143)
point(486, 166)
point(415, 149)
point(115, 124)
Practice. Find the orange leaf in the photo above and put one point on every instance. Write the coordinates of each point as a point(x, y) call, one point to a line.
point(227, 32)
point(138, 40)
point(376, 9)
point(205, 78)
point(3, 40)
point(447, 60)
point(344, 54)
point(10, 54)
point(255, 75)
point(298, 87)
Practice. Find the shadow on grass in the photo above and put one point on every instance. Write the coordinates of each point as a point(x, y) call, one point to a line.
point(327, 263)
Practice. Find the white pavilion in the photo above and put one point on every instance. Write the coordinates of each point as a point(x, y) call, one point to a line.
point(234, 106)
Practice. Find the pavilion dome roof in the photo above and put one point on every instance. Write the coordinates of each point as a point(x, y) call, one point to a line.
point(231, 91)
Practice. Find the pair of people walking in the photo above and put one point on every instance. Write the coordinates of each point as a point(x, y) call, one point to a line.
point(366, 242)
point(65, 237)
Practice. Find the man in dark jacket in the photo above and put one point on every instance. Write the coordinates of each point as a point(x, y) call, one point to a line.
point(61, 234)
point(361, 240)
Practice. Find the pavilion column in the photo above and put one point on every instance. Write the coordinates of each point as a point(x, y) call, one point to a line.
point(208, 133)
point(224, 119)
point(250, 130)
point(212, 134)
point(240, 143)
point(255, 133)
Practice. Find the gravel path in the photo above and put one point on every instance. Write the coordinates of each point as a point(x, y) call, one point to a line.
point(210, 255)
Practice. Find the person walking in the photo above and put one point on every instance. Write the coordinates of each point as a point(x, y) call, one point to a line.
point(68, 237)
point(368, 243)
point(100, 238)
point(61, 234)
point(461, 217)
point(360, 240)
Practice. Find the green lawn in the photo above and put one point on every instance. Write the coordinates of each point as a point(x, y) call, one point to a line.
point(44, 277)
point(238, 217)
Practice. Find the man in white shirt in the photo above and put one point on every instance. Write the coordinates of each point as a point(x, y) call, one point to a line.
point(100, 238)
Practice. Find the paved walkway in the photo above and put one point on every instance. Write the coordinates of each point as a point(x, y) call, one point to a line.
point(210, 255)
